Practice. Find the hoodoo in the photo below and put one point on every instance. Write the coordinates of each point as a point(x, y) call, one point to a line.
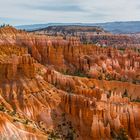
point(56, 87)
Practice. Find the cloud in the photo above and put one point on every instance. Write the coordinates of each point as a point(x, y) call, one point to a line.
point(44, 11)
point(52, 7)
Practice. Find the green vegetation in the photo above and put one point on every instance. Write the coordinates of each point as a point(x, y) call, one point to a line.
point(4, 25)
point(136, 100)
point(53, 136)
point(2, 108)
point(113, 134)
point(125, 94)
point(63, 114)
point(26, 121)
point(109, 94)
point(65, 72)
point(63, 131)
point(12, 113)
point(122, 49)
point(122, 135)
point(79, 74)
point(109, 77)
point(76, 73)
point(100, 77)
point(123, 79)
point(15, 120)
point(135, 81)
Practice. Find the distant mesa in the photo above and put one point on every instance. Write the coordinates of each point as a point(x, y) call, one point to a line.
point(113, 27)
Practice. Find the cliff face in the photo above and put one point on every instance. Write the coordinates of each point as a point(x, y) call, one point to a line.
point(98, 109)
point(72, 57)
point(17, 66)
point(24, 112)
point(38, 102)
point(25, 98)
point(102, 118)
point(91, 34)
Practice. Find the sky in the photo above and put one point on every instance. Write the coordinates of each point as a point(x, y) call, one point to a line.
point(21, 12)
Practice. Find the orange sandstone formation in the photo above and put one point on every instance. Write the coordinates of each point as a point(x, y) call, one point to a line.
point(40, 99)
point(97, 112)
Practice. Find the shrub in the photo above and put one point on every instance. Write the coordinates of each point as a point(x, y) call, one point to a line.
point(136, 100)
point(100, 77)
point(53, 136)
point(12, 113)
point(125, 94)
point(113, 134)
point(109, 94)
point(15, 120)
point(122, 134)
point(26, 121)
point(1, 108)
point(80, 74)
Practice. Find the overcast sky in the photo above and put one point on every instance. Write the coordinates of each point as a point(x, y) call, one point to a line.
point(18, 12)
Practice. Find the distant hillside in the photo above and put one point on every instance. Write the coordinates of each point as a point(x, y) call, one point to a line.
point(74, 30)
point(121, 27)
point(114, 27)
point(41, 26)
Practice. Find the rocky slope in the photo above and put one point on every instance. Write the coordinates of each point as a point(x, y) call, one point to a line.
point(98, 109)
point(92, 34)
point(22, 92)
point(46, 92)
point(70, 56)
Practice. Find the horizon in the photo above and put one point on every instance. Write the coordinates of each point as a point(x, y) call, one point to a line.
point(75, 23)
point(21, 12)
